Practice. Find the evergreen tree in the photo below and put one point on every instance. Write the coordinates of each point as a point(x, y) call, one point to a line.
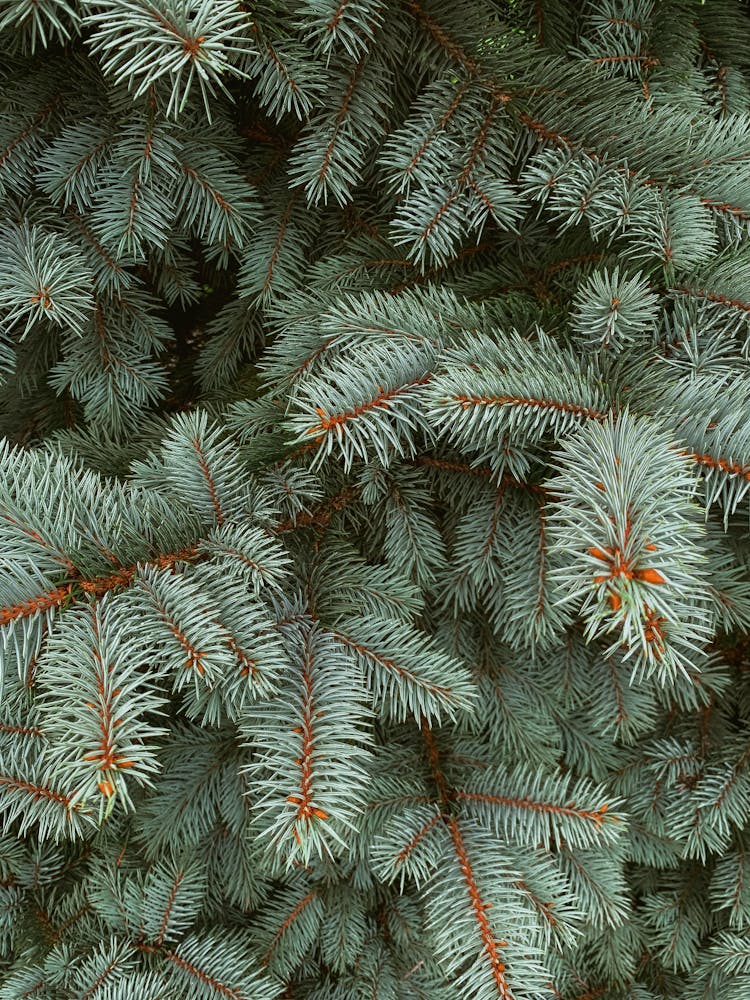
point(374, 500)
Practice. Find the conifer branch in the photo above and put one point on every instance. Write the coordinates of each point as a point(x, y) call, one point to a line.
point(40, 118)
point(442, 37)
point(285, 924)
point(179, 875)
point(531, 403)
point(490, 944)
point(37, 791)
point(414, 842)
point(595, 816)
point(34, 605)
point(195, 972)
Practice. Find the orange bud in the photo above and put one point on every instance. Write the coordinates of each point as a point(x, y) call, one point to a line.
point(598, 554)
point(320, 814)
point(599, 486)
point(106, 788)
point(615, 601)
point(649, 576)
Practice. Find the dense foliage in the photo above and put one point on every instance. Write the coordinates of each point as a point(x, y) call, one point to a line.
point(374, 500)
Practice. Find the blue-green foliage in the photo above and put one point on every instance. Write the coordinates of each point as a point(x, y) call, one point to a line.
point(374, 555)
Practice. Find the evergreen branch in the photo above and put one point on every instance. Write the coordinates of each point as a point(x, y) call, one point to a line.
point(360, 411)
point(332, 25)
point(427, 223)
point(322, 514)
point(21, 730)
point(178, 877)
point(253, 551)
point(722, 464)
point(101, 978)
point(286, 923)
point(97, 586)
point(725, 207)
point(547, 811)
point(717, 297)
point(205, 185)
point(113, 267)
point(288, 81)
point(521, 398)
point(43, 279)
point(530, 403)
point(105, 735)
point(123, 576)
point(433, 756)
point(380, 401)
point(490, 944)
point(281, 233)
point(390, 666)
point(402, 666)
point(210, 484)
point(74, 172)
point(108, 963)
point(169, 901)
point(405, 852)
point(443, 38)
point(308, 775)
point(199, 467)
point(195, 972)
point(303, 801)
point(37, 791)
point(34, 605)
point(40, 118)
point(192, 656)
point(437, 129)
point(624, 593)
point(595, 816)
point(343, 111)
point(646, 61)
point(197, 43)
